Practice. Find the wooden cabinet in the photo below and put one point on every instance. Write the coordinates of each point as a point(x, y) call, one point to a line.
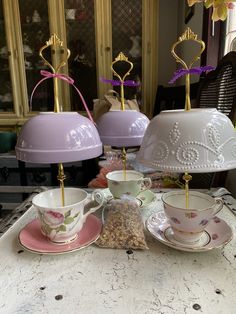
point(95, 32)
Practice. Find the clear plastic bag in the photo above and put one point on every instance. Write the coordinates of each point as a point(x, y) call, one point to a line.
point(122, 225)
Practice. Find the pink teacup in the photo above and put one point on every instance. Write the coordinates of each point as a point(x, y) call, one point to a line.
point(188, 224)
point(61, 224)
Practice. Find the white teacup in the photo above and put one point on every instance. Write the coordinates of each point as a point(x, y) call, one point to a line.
point(130, 183)
point(188, 224)
point(61, 224)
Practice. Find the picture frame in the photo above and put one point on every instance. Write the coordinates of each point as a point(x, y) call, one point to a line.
point(189, 12)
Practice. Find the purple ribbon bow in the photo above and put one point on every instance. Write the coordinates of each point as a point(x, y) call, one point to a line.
point(118, 83)
point(196, 70)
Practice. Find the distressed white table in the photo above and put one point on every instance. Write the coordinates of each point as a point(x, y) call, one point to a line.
point(95, 280)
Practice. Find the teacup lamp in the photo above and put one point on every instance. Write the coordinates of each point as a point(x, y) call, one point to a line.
point(57, 137)
point(122, 128)
point(190, 140)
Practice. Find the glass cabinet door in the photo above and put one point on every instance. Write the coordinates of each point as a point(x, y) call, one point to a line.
point(34, 21)
point(95, 31)
point(80, 37)
point(127, 38)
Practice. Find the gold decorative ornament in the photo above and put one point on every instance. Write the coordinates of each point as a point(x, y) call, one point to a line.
point(188, 35)
point(122, 58)
point(55, 42)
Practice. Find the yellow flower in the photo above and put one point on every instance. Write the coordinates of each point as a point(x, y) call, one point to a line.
point(208, 3)
point(220, 7)
point(220, 12)
point(192, 2)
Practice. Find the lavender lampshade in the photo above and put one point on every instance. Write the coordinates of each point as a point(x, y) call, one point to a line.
point(122, 128)
point(198, 140)
point(58, 137)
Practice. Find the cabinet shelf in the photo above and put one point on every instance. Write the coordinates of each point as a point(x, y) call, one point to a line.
point(35, 24)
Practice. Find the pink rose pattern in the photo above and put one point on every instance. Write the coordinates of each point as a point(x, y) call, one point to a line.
point(215, 236)
point(203, 222)
point(55, 222)
point(191, 215)
point(53, 218)
point(175, 220)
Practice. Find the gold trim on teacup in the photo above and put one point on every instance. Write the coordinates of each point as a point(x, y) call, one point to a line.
point(189, 209)
point(185, 244)
point(188, 232)
point(200, 247)
point(63, 242)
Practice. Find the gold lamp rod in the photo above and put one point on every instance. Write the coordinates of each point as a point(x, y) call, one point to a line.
point(188, 35)
point(122, 58)
point(56, 43)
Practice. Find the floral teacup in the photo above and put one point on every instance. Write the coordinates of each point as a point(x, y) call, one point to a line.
point(188, 224)
point(61, 224)
point(129, 182)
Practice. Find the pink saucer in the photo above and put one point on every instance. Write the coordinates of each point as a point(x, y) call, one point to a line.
point(31, 238)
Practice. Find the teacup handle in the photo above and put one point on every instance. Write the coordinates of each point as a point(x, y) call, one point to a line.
point(146, 184)
point(99, 197)
point(219, 205)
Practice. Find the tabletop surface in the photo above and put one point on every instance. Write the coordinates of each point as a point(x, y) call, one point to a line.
point(96, 280)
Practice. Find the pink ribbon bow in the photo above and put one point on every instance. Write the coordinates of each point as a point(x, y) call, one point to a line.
point(65, 78)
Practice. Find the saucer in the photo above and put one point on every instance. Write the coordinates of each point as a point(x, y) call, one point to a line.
point(216, 234)
point(31, 238)
point(145, 198)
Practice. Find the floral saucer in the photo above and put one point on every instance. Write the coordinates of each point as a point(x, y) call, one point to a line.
point(216, 234)
point(31, 238)
point(145, 198)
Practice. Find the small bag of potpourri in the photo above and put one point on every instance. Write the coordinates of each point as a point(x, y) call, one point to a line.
point(122, 225)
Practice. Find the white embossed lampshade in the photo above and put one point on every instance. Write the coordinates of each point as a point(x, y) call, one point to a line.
point(52, 137)
point(198, 140)
point(122, 128)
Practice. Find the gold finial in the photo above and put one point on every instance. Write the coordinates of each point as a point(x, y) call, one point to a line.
point(54, 41)
point(122, 58)
point(188, 35)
